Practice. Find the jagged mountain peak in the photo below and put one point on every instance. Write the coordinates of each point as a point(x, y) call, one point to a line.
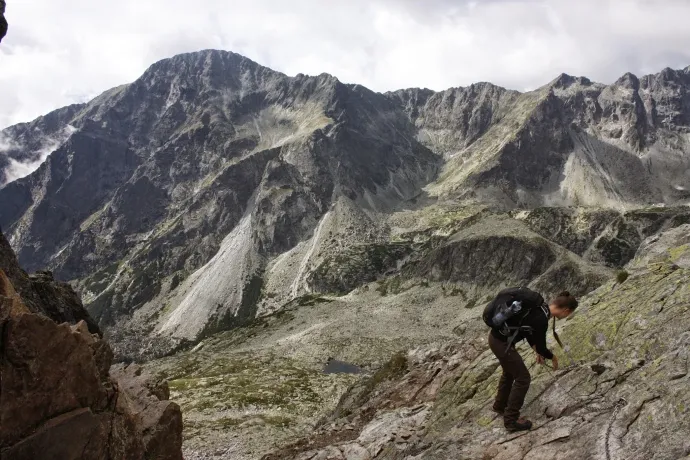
point(206, 152)
point(203, 57)
point(668, 73)
point(214, 68)
point(629, 80)
point(213, 190)
point(323, 76)
point(666, 77)
point(564, 81)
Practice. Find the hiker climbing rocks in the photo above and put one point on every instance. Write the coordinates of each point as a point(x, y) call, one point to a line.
point(516, 314)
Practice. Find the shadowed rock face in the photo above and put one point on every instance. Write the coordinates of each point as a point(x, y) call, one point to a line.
point(58, 398)
point(212, 189)
point(3, 21)
point(41, 294)
point(498, 252)
point(603, 236)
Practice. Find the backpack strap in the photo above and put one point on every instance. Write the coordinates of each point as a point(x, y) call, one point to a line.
point(555, 335)
point(517, 329)
point(529, 329)
point(545, 309)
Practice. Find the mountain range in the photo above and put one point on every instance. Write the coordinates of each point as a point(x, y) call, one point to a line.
point(236, 228)
point(197, 197)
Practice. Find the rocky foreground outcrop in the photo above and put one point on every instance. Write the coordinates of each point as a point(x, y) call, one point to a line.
point(41, 294)
point(58, 398)
point(621, 392)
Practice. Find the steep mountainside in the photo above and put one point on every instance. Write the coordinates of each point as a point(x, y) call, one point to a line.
point(212, 189)
point(207, 154)
point(622, 391)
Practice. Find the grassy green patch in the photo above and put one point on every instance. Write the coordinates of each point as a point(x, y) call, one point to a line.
point(204, 381)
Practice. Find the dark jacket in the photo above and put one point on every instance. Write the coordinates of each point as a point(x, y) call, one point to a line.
point(537, 319)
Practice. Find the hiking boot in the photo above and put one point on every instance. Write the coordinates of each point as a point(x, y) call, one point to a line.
point(520, 425)
point(497, 410)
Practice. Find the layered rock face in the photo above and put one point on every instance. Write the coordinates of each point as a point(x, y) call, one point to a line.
point(572, 142)
point(57, 396)
point(213, 190)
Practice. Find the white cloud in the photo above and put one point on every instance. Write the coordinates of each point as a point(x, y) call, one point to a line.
point(16, 169)
point(6, 143)
point(58, 53)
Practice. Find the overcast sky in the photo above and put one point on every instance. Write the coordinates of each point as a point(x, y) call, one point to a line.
point(61, 52)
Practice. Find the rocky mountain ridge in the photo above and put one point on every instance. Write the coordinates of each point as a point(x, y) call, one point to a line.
point(208, 191)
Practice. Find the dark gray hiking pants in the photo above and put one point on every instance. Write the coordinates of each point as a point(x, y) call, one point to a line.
point(514, 382)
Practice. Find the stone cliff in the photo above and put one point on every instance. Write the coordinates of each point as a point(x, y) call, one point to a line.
point(58, 397)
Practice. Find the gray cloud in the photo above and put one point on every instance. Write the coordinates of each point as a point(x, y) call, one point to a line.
point(63, 52)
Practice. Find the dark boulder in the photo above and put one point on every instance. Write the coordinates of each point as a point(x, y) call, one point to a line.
point(58, 398)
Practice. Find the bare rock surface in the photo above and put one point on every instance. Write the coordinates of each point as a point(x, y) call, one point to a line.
point(670, 246)
point(159, 420)
point(622, 394)
point(42, 294)
point(58, 398)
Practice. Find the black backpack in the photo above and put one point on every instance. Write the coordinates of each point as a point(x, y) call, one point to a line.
point(529, 299)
